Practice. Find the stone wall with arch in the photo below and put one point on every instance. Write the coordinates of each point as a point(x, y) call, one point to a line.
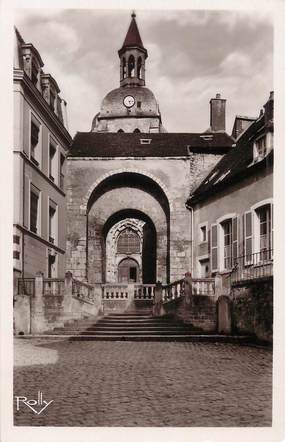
point(113, 258)
point(169, 180)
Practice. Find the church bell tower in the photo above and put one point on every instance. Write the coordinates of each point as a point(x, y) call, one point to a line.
point(132, 57)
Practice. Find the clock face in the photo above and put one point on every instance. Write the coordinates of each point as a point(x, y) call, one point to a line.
point(129, 101)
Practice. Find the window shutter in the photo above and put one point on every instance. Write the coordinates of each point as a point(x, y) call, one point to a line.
point(214, 247)
point(235, 240)
point(26, 207)
point(271, 231)
point(248, 238)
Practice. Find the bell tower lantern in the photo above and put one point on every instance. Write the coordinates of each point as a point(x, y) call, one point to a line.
point(132, 57)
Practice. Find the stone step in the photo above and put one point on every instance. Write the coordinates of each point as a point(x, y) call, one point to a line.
point(245, 340)
point(125, 330)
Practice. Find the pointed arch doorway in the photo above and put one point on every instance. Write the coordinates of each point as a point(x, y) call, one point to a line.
point(128, 271)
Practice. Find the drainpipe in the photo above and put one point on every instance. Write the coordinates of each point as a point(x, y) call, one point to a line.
point(192, 231)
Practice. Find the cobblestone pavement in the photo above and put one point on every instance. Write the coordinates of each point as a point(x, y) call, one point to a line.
point(143, 383)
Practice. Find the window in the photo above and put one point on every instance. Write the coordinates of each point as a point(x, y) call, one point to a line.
point(224, 244)
point(128, 242)
point(139, 104)
point(131, 66)
point(262, 146)
point(52, 222)
point(52, 268)
point(137, 131)
point(264, 232)
point(227, 243)
point(34, 209)
point(145, 140)
point(203, 233)
point(139, 71)
point(62, 160)
point(35, 141)
point(35, 71)
point(124, 68)
point(52, 160)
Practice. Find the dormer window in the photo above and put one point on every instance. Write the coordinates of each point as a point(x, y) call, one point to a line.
point(32, 63)
point(145, 140)
point(52, 100)
point(50, 91)
point(262, 146)
point(35, 72)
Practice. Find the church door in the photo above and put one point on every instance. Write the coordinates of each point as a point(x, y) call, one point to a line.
point(128, 271)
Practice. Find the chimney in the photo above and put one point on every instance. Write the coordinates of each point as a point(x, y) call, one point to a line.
point(218, 114)
point(268, 108)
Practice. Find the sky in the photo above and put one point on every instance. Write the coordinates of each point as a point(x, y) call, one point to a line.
point(192, 55)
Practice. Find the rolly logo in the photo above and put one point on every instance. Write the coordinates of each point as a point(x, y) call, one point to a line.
point(36, 405)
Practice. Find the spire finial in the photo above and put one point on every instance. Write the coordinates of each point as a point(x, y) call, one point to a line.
point(133, 14)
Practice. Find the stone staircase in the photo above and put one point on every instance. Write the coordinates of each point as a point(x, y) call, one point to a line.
point(128, 326)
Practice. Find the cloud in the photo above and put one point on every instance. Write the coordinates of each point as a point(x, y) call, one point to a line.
point(192, 56)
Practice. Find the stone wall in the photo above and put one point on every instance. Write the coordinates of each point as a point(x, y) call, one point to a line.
point(172, 179)
point(252, 309)
point(201, 312)
point(41, 312)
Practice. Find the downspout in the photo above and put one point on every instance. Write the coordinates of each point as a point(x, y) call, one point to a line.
point(192, 232)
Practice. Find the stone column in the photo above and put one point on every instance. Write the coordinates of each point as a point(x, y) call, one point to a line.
point(67, 303)
point(158, 309)
point(38, 323)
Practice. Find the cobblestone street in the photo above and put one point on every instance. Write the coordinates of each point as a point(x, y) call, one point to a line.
point(143, 383)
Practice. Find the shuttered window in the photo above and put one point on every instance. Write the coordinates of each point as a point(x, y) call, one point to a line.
point(235, 240)
point(35, 131)
point(214, 247)
point(34, 205)
point(248, 238)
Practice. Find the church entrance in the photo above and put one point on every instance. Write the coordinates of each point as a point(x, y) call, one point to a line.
point(128, 271)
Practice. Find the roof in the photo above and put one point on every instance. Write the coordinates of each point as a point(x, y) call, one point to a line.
point(235, 165)
point(133, 37)
point(95, 144)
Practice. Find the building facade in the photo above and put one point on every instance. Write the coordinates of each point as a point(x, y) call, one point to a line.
point(233, 207)
point(128, 180)
point(41, 142)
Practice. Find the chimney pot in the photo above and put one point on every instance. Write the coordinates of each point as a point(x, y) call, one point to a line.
point(218, 114)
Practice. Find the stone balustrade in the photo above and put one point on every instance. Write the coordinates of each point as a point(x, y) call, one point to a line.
point(115, 291)
point(85, 292)
point(172, 291)
point(144, 291)
point(53, 286)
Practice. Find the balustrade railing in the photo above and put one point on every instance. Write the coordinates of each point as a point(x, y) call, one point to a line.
point(203, 286)
point(26, 286)
point(82, 290)
point(52, 286)
point(144, 291)
point(173, 291)
point(115, 291)
point(254, 266)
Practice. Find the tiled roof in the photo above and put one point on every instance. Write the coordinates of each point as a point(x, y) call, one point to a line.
point(133, 37)
point(93, 144)
point(235, 165)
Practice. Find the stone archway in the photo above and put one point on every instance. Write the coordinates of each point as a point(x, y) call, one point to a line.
point(128, 194)
point(113, 255)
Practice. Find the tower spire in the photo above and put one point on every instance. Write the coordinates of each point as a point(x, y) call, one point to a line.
point(132, 55)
